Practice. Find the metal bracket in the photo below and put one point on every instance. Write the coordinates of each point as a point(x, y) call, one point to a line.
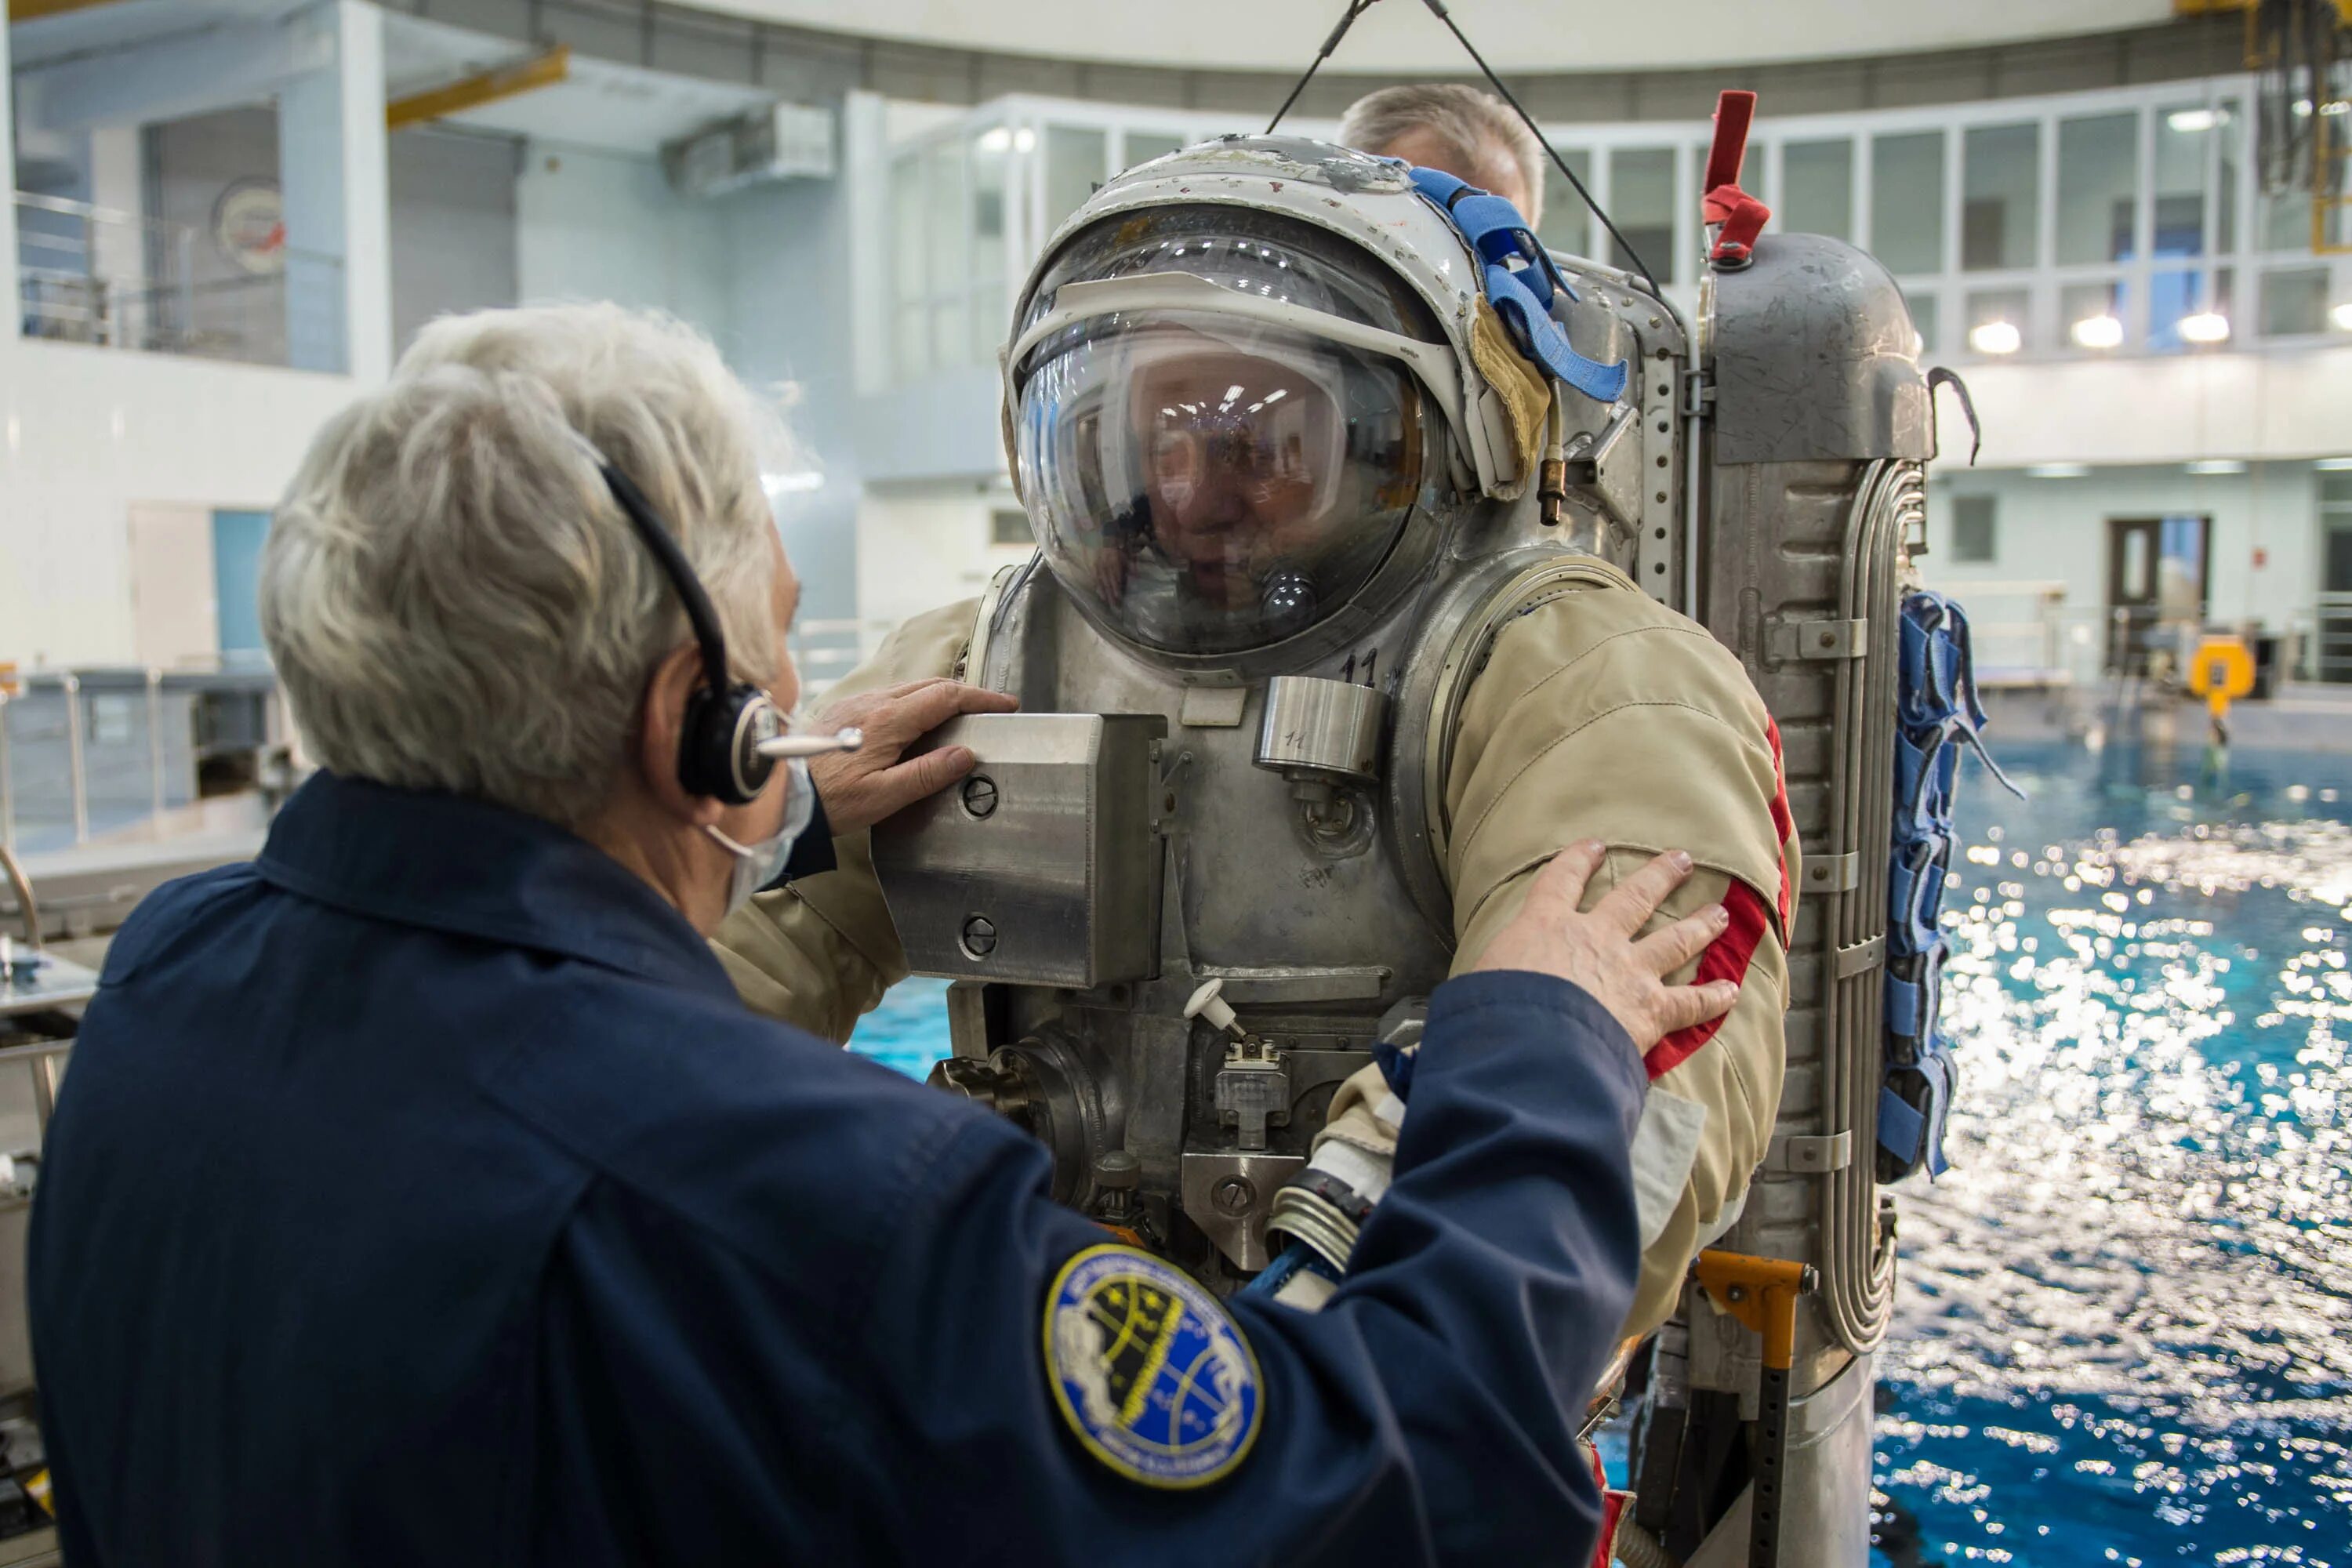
point(1816, 639)
point(1833, 873)
point(1698, 395)
point(1849, 962)
point(1810, 1156)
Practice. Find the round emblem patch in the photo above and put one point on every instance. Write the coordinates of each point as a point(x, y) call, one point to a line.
point(1149, 1369)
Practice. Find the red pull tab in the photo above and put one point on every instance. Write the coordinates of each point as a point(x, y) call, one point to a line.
point(1735, 112)
point(1736, 216)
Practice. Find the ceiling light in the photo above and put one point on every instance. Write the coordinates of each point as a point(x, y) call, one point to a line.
point(799, 482)
point(2187, 120)
point(2206, 327)
point(995, 138)
point(1995, 337)
point(2059, 470)
point(2335, 465)
point(2342, 315)
point(2216, 465)
point(2101, 331)
point(1025, 140)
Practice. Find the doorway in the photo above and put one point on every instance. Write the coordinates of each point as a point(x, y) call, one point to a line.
point(2158, 570)
point(2332, 658)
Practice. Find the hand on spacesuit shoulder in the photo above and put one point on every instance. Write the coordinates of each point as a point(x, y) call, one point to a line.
point(1597, 951)
point(860, 788)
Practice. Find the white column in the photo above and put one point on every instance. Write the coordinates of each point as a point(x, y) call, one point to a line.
point(330, 160)
point(11, 316)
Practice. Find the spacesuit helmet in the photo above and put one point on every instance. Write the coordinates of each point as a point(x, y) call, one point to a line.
point(1234, 392)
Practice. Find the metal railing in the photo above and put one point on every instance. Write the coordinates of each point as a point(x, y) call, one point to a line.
point(90, 274)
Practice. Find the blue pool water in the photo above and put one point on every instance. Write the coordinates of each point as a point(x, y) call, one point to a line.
point(2123, 1328)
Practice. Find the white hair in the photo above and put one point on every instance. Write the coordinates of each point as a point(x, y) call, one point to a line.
point(452, 596)
point(1471, 124)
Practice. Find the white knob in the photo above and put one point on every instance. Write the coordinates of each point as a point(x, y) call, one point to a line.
point(1209, 1002)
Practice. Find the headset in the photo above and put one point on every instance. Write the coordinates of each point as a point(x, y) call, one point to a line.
point(727, 745)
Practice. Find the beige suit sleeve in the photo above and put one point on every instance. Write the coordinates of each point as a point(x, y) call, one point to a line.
point(1601, 714)
point(819, 952)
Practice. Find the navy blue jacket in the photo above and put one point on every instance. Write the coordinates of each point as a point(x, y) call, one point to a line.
point(421, 1192)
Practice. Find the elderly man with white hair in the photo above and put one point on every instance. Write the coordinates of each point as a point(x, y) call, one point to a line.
point(421, 1191)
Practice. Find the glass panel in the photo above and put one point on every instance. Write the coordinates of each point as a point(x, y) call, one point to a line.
point(949, 223)
point(1974, 541)
point(1817, 180)
point(2338, 569)
point(1642, 201)
point(907, 227)
point(2090, 316)
point(2136, 586)
point(2180, 572)
point(2000, 197)
point(1997, 320)
point(910, 343)
point(2182, 138)
point(951, 333)
point(1074, 158)
point(2173, 297)
point(991, 318)
point(1923, 316)
point(2286, 220)
point(1567, 223)
point(990, 153)
point(2336, 489)
point(2098, 187)
point(2230, 131)
point(1142, 146)
point(1906, 202)
point(2295, 302)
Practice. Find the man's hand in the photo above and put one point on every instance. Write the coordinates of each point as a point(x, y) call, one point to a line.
point(1596, 950)
point(860, 788)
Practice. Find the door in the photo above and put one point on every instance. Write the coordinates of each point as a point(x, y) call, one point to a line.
point(2332, 660)
point(2157, 573)
point(236, 572)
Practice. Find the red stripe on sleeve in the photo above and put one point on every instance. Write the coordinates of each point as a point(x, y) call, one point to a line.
point(1725, 958)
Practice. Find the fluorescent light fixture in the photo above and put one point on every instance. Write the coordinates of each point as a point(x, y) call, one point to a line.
point(2206, 327)
point(2101, 331)
point(2187, 120)
point(1995, 337)
point(2335, 465)
point(2059, 470)
point(2332, 106)
point(798, 482)
point(1025, 140)
point(996, 138)
point(2342, 315)
point(2216, 465)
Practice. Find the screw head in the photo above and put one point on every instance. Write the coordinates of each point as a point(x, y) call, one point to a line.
point(979, 795)
point(1233, 1195)
point(979, 936)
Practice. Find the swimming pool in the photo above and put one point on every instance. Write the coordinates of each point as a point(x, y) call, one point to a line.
point(2124, 1330)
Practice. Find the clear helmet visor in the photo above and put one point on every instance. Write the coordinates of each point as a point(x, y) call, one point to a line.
point(1207, 484)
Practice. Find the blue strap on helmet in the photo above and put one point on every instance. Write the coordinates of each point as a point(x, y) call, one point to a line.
point(1521, 295)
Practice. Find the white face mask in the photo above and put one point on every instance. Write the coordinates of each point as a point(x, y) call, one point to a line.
point(758, 866)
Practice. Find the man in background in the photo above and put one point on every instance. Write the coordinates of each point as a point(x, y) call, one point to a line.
point(1470, 135)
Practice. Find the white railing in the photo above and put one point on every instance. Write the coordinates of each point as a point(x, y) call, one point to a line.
point(88, 274)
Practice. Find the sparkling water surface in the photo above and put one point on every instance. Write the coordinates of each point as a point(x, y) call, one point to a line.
point(2124, 1327)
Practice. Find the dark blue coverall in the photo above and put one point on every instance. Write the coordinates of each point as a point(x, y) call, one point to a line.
point(421, 1194)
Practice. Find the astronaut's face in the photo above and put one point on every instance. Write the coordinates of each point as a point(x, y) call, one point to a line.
point(1238, 453)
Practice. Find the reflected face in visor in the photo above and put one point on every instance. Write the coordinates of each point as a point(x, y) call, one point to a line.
point(1207, 483)
point(1242, 453)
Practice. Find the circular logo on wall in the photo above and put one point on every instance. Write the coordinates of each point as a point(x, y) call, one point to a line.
point(249, 225)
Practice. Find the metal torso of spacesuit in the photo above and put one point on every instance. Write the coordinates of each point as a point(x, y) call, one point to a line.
point(1307, 697)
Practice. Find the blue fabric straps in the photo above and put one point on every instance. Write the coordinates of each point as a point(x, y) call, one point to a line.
point(1521, 294)
point(1937, 713)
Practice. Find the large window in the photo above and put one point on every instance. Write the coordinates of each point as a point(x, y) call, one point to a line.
point(2098, 188)
point(1567, 223)
point(1974, 542)
point(1817, 187)
point(2000, 189)
point(1906, 202)
point(1642, 204)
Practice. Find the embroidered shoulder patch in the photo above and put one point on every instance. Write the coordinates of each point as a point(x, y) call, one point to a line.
point(1149, 1370)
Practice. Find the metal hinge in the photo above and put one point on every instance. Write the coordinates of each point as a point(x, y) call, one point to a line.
point(1810, 1156)
point(1849, 962)
point(1698, 395)
point(1816, 639)
point(1832, 873)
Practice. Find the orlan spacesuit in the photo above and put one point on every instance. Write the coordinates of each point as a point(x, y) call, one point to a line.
point(1320, 655)
point(1266, 425)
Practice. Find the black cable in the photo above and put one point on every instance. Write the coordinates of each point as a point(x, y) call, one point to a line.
point(1355, 9)
point(1437, 8)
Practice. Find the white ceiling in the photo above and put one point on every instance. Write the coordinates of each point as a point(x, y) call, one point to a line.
point(126, 22)
point(1403, 37)
point(602, 104)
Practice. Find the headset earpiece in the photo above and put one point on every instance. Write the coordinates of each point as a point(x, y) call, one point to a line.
point(725, 721)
